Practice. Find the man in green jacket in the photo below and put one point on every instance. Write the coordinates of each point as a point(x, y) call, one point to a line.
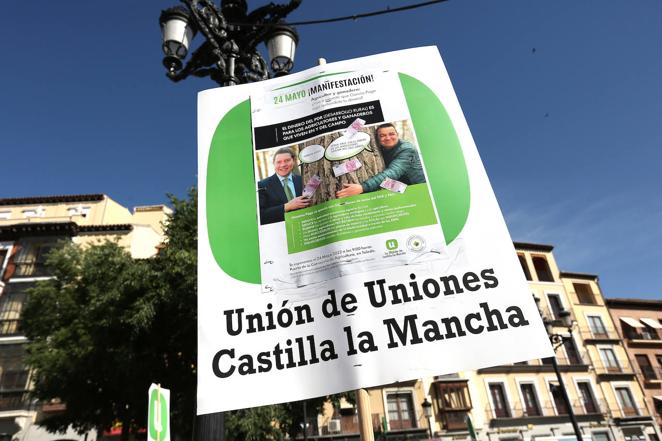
point(402, 164)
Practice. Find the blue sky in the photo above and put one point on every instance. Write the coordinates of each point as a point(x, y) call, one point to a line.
point(570, 133)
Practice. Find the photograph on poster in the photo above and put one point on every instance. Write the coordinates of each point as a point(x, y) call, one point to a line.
point(337, 165)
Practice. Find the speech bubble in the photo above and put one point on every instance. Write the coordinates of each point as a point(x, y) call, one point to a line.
point(311, 154)
point(346, 147)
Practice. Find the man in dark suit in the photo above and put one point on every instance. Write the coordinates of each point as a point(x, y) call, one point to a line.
point(281, 192)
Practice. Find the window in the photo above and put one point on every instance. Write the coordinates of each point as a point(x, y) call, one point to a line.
point(556, 305)
point(454, 395)
point(645, 365)
point(571, 351)
point(78, 210)
point(14, 378)
point(584, 293)
point(649, 331)
point(542, 269)
point(530, 399)
point(559, 402)
point(499, 401)
point(597, 327)
point(659, 359)
point(635, 434)
point(3, 256)
point(627, 402)
point(609, 360)
point(587, 398)
point(11, 306)
point(400, 411)
point(34, 212)
point(31, 258)
point(658, 406)
point(525, 266)
point(600, 436)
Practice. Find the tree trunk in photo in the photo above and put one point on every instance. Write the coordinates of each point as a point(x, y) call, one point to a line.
point(370, 158)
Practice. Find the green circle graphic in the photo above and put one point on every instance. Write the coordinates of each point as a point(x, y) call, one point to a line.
point(232, 210)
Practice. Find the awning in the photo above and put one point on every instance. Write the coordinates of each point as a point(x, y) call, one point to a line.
point(652, 323)
point(657, 397)
point(632, 322)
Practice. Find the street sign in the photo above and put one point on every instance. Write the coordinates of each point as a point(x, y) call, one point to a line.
point(158, 415)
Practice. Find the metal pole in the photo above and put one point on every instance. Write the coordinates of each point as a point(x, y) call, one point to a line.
point(571, 412)
point(210, 427)
point(305, 422)
point(365, 415)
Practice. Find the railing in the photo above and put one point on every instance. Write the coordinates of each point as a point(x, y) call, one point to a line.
point(454, 419)
point(575, 299)
point(547, 409)
point(590, 408)
point(651, 373)
point(30, 269)
point(10, 328)
point(628, 411)
point(647, 334)
point(579, 361)
point(548, 314)
point(599, 334)
point(19, 400)
point(413, 435)
point(623, 367)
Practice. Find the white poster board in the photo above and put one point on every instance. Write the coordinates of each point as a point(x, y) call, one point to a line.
point(413, 276)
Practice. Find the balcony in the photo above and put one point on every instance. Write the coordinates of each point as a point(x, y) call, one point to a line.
point(553, 317)
point(546, 411)
point(599, 335)
point(454, 419)
point(629, 412)
point(644, 337)
point(652, 375)
point(621, 368)
point(576, 363)
point(17, 400)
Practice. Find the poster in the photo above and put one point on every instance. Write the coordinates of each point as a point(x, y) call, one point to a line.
point(347, 147)
point(329, 288)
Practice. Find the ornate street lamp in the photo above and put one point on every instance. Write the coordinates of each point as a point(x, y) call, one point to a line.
point(229, 53)
point(427, 410)
point(557, 341)
point(229, 56)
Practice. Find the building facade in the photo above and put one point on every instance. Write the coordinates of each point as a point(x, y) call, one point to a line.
point(29, 229)
point(639, 324)
point(523, 401)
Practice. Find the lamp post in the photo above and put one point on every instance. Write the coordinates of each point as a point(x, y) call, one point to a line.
point(557, 341)
point(427, 410)
point(228, 54)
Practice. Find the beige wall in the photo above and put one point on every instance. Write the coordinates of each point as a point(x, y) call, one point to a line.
point(153, 215)
point(146, 221)
point(103, 212)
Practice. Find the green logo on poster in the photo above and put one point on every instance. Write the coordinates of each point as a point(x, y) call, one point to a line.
point(158, 416)
point(391, 244)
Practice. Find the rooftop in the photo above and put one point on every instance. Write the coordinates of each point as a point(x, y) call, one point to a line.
point(52, 199)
